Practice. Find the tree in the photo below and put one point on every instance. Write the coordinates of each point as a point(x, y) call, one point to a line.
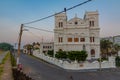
point(6, 46)
point(29, 48)
point(106, 47)
point(36, 46)
point(116, 48)
point(50, 53)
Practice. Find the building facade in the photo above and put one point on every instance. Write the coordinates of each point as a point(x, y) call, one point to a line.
point(45, 46)
point(78, 34)
point(114, 39)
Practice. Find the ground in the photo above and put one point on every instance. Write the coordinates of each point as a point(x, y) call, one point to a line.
point(7, 70)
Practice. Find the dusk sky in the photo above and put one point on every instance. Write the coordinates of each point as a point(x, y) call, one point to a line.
point(15, 12)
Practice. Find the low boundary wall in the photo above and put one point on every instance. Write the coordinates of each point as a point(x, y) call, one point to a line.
point(75, 65)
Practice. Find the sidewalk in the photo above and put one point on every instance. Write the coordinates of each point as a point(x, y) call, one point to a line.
point(7, 70)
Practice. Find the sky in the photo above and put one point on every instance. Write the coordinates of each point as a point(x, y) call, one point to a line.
point(13, 13)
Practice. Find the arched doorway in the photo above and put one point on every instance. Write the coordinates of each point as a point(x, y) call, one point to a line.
point(92, 53)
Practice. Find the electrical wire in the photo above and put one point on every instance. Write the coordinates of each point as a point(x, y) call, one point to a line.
point(39, 29)
point(58, 12)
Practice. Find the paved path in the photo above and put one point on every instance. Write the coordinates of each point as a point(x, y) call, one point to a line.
point(7, 70)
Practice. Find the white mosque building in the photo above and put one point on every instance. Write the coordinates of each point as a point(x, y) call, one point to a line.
point(78, 34)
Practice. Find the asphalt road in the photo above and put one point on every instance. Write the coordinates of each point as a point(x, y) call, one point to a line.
point(40, 70)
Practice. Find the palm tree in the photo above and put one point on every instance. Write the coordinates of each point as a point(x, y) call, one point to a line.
point(106, 47)
point(29, 48)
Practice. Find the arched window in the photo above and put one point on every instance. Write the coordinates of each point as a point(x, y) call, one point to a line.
point(92, 39)
point(60, 24)
point(60, 39)
point(91, 23)
point(92, 53)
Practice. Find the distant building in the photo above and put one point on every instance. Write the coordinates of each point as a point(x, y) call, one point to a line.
point(45, 46)
point(36, 45)
point(78, 34)
point(114, 39)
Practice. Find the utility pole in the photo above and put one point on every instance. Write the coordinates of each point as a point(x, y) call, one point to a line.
point(19, 43)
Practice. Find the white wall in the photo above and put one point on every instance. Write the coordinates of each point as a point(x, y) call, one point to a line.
point(82, 29)
point(75, 65)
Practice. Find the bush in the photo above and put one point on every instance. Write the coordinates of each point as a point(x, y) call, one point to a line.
point(50, 53)
point(72, 55)
point(13, 61)
point(61, 55)
point(102, 59)
point(117, 61)
point(77, 55)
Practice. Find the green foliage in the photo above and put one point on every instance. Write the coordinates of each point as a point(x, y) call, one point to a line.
point(106, 47)
point(5, 58)
point(72, 55)
point(50, 53)
point(116, 47)
point(61, 55)
point(6, 46)
point(117, 61)
point(13, 61)
point(3, 62)
point(36, 48)
point(1, 69)
point(103, 59)
point(77, 55)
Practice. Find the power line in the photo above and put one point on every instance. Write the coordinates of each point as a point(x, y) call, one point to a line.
point(58, 12)
point(39, 29)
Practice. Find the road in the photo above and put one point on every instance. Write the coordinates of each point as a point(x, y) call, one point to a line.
point(40, 70)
